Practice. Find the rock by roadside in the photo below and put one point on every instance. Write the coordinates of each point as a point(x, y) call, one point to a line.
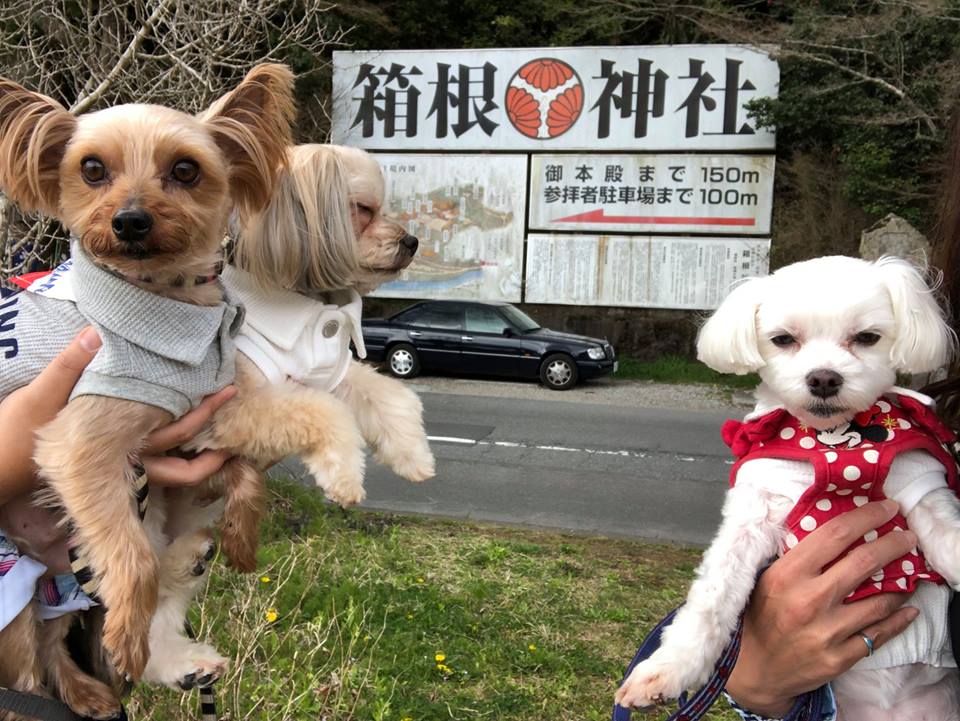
point(607, 391)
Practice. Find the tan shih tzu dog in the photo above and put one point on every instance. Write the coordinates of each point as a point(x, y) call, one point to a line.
point(147, 193)
point(299, 268)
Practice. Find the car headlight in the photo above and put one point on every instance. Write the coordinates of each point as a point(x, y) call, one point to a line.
point(596, 353)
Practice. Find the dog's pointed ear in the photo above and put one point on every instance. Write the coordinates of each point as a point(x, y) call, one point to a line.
point(251, 125)
point(728, 340)
point(923, 341)
point(34, 131)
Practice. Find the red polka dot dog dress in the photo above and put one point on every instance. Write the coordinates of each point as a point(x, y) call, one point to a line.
point(850, 463)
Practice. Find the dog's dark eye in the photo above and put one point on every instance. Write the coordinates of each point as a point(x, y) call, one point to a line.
point(364, 209)
point(866, 338)
point(185, 171)
point(784, 340)
point(93, 170)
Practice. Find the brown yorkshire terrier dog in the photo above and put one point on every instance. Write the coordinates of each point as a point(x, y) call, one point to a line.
point(147, 193)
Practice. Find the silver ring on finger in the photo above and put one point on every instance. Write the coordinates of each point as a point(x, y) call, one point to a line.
point(869, 641)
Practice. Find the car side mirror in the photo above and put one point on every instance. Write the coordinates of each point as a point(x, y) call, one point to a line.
point(508, 332)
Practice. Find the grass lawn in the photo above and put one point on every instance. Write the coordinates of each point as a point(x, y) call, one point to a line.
point(677, 369)
point(374, 617)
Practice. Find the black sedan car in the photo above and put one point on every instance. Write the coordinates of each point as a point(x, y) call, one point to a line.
point(485, 339)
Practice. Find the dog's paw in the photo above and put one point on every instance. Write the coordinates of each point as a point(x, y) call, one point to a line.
point(650, 683)
point(129, 650)
point(340, 476)
point(88, 697)
point(186, 666)
point(346, 493)
point(126, 628)
point(416, 465)
point(185, 561)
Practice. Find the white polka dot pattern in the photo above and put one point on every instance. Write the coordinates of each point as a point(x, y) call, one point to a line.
point(849, 474)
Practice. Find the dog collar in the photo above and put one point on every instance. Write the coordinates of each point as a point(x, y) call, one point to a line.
point(181, 281)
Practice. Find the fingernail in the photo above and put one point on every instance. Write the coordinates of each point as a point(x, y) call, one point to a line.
point(890, 505)
point(911, 537)
point(912, 613)
point(90, 339)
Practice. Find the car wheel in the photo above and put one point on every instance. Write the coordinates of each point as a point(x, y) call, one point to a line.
point(402, 361)
point(558, 372)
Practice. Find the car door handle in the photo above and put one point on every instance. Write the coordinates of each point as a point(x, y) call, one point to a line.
point(466, 337)
point(414, 333)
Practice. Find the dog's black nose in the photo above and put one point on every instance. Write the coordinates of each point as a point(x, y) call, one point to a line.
point(824, 383)
point(131, 225)
point(410, 243)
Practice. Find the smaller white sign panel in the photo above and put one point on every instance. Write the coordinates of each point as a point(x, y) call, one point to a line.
point(720, 194)
point(467, 211)
point(640, 271)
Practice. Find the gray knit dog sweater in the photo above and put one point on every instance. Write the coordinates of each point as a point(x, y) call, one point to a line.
point(157, 351)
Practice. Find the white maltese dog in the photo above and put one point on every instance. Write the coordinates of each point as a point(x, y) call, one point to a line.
point(830, 432)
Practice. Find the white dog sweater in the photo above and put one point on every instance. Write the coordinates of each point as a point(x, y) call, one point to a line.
point(155, 350)
point(292, 336)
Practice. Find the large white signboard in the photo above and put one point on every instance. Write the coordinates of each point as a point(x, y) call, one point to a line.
point(652, 193)
point(468, 212)
point(672, 97)
point(649, 272)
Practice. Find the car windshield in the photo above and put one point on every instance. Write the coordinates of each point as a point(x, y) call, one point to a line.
point(520, 320)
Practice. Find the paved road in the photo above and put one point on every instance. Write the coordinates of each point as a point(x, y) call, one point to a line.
point(636, 472)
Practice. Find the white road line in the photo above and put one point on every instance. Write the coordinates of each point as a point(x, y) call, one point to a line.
point(564, 449)
point(452, 439)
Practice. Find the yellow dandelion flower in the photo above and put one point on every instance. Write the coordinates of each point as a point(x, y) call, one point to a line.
point(407, 718)
point(272, 615)
point(439, 658)
point(265, 579)
point(420, 580)
point(443, 668)
point(409, 616)
point(532, 647)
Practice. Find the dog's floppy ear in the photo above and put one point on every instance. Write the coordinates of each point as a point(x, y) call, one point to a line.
point(251, 125)
point(34, 131)
point(728, 340)
point(923, 341)
point(304, 239)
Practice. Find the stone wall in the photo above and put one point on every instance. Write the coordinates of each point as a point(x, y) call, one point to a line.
point(641, 333)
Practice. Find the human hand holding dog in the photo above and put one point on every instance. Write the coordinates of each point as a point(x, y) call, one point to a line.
point(797, 632)
point(35, 404)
